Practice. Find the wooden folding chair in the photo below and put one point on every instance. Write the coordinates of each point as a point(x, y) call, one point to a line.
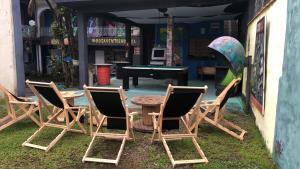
point(111, 103)
point(216, 112)
point(18, 108)
point(179, 100)
point(48, 93)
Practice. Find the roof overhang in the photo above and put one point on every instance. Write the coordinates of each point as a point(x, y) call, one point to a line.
point(146, 11)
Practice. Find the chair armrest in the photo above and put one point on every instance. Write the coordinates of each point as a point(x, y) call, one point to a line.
point(133, 113)
point(71, 108)
point(17, 102)
point(153, 114)
point(208, 101)
point(26, 98)
point(207, 105)
point(131, 118)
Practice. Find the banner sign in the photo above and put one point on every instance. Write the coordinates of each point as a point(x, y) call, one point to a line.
point(109, 41)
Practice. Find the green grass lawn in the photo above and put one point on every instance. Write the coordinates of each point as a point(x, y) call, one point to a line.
point(222, 150)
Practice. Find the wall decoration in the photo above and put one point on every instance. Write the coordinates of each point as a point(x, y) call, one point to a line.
point(198, 48)
point(259, 67)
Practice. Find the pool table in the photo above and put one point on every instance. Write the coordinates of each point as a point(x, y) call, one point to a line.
point(179, 73)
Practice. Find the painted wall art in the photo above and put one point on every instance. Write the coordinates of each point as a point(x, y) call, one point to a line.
point(259, 67)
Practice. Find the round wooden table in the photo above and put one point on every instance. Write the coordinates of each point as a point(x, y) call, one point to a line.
point(150, 104)
point(70, 97)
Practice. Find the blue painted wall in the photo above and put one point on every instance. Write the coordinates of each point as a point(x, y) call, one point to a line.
point(190, 31)
point(287, 131)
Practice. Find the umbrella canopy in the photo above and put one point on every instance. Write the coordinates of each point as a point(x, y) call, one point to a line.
point(232, 50)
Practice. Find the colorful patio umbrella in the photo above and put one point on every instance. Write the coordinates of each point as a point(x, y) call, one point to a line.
point(233, 51)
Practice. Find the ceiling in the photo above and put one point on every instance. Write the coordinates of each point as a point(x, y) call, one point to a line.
point(146, 11)
point(180, 14)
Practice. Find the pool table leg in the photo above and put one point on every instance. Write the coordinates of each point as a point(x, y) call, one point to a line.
point(135, 81)
point(182, 80)
point(125, 82)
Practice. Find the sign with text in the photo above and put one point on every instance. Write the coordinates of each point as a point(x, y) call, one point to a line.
point(109, 41)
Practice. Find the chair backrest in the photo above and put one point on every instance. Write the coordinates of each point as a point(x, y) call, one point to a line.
point(228, 92)
point(49, 92)
point(7, 97)
point(111, 103)
point(10, 95)
point(179, 101)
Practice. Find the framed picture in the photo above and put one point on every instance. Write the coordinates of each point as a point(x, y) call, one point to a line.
point(258, 80)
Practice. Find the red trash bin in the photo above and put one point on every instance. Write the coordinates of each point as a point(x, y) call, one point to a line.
point(103, 74)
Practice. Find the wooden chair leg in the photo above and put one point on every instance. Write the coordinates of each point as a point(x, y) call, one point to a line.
point(168, 152)
point(228, 131)
point(57, 138)
point(13, 121)
point(91, 143)
point(99, 160)
point(179, 162)
point(76, 118)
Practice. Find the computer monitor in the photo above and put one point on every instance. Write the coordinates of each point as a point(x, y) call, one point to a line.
point(158, 54)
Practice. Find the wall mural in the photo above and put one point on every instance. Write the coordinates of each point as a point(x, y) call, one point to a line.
point(259, 67)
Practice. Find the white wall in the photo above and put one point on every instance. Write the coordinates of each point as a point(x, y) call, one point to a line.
point(276, 16)
point(7, 47)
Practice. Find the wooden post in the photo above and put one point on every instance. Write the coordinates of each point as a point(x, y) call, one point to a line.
point(82, 49)
point(128, 42)
point(169, 52)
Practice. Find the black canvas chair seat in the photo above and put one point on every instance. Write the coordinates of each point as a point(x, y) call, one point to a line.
point(178, 104)
point(216, 111)
point(110, 103)
point(18, 108)
point(48, 92)
point(179, 101)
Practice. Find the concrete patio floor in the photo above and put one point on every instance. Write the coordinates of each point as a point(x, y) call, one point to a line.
point(148, 86)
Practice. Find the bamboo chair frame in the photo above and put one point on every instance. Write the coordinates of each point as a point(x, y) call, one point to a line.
point(218, 114)
point(128, 135)
point(158, 134)
point(66, 110)
point(15, 105)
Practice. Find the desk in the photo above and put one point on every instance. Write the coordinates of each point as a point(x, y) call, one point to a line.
point(157, 72)
point(150, 104)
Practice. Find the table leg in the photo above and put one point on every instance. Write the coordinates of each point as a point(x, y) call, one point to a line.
point(125, 82)
point(182, 80)
point(145, 124)
point(147, 119)
point(135, 81)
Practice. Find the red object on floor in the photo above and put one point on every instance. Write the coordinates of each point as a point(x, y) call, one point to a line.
point(103, 74)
